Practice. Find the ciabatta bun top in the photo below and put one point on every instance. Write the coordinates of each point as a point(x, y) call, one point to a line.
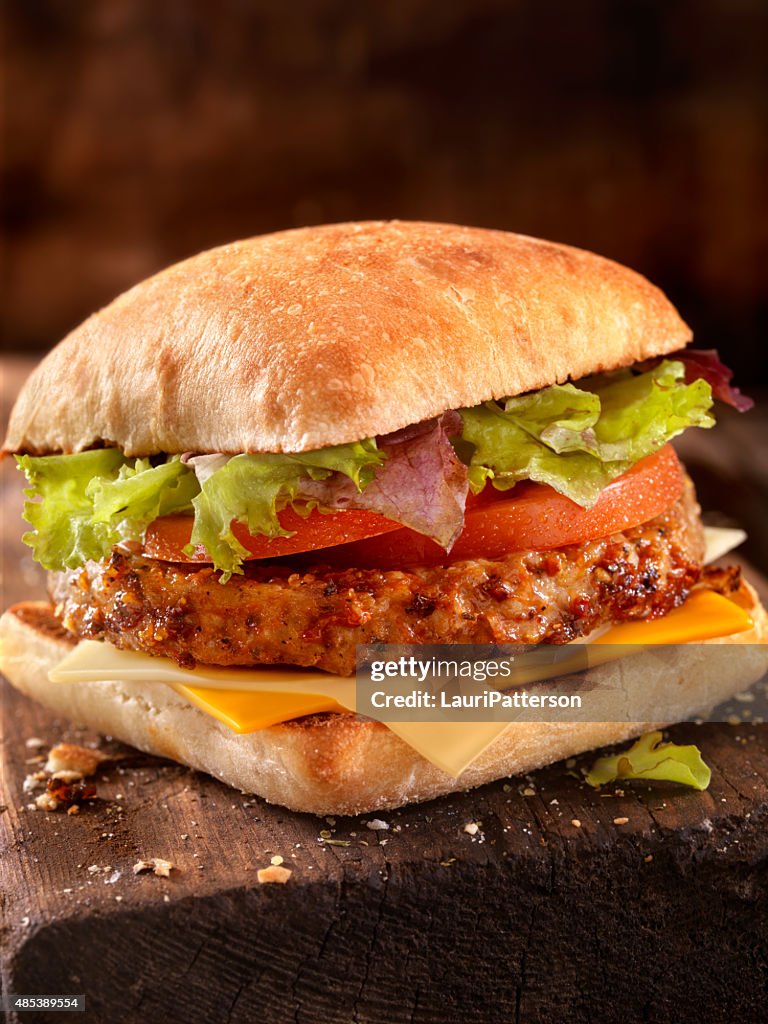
point(324, 335)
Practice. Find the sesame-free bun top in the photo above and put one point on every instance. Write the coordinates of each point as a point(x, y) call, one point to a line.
point(301, 339)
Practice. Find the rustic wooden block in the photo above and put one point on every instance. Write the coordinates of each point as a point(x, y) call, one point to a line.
point(532, 918)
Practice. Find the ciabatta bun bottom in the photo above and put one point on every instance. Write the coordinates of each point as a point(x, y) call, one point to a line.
point(334, 763)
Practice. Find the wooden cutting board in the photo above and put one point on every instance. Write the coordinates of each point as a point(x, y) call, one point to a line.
point(531, 918)
point(654, 907)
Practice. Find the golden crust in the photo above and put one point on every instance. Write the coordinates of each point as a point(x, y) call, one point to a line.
point(334, 763)
point(325, 335)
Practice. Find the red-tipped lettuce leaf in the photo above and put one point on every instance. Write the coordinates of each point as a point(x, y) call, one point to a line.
point(705, 364)
point(422, 484)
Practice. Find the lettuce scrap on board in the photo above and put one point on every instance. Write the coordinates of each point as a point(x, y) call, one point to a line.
point(649, 758)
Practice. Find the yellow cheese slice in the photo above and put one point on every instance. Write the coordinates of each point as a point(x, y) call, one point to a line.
point(244, 699)
point(720, 540)
point(246, 711)
point(250, 699)
point(704, 616)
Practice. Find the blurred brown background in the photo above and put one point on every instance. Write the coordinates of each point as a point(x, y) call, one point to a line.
point(137, 132)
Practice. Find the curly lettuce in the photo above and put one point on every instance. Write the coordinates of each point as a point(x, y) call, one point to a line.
point(81, 505)
point(252, 489)
point(574, 438)
point(578, 439)
point(649, 758)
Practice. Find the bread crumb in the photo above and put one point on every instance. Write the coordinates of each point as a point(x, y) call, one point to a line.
point(575, 822)
point(74, 809)
point(156, 865)
point(274, 873)
point(34, 743)
point(33, 782)
point(472, 828)
point(276, 860)
point(46, 802)
point(69, 757)
point(648, 859)
point(529, 791)
point(377, 825)
point(67, 775)
point(620, 821)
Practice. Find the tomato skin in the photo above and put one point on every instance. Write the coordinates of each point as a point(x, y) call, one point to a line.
point(530, 517)
point(166, 538)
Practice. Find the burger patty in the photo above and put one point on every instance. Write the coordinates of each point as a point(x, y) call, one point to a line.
point(314, 615)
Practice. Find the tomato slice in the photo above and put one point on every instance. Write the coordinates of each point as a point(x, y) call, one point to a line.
point(166, 538)
point(530, 516)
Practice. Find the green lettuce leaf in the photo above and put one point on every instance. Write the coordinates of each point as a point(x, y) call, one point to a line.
point(579, 439)
point(141, 493)
point(81, 505)
point(64, 534)
point(252, 489)
point(649, 758)
point(576, 439)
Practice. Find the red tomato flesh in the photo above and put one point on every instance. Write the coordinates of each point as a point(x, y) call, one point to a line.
point(531, 517)
point(166, 538)
point(528, 517)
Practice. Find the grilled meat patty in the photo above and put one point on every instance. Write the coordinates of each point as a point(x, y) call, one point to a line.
point(312, 614)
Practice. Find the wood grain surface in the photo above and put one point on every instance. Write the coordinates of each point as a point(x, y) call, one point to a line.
point(564, 904)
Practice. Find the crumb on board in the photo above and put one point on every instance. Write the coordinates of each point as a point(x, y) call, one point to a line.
point(156, 865)
point(67, 775)
point(472, 828)
point(71, 758)
point(274, 873)
point(61, 793)
point(576, 822)
point(62, 774)
point(33, 781)
point(377, 825)
point(621, 821)
point(277, 860)
point(46, 802)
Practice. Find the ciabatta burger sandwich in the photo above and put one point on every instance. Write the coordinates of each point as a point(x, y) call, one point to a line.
point(404, 433)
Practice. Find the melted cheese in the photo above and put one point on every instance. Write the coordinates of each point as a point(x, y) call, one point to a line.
point(248, 699)
point(704, 616)
point(246, 711)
